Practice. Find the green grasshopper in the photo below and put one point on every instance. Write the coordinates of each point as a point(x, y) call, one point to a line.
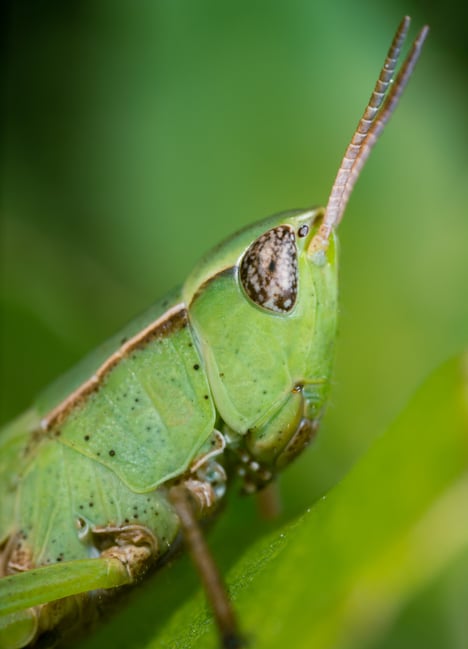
point(228, 375)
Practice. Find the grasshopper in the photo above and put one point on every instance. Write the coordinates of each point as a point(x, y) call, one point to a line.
point(226, 376)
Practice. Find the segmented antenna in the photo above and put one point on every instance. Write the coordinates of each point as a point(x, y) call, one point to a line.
point(382, 103)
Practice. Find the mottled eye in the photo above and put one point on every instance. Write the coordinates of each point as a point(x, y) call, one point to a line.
point(268, 270)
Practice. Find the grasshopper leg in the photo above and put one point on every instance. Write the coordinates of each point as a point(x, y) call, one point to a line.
point(22, 594)
point(215, 589)
point(269, 501)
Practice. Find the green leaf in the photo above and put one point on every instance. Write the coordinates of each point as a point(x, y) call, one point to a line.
point(340, 575)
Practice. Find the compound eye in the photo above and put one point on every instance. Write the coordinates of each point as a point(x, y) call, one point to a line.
point(268, 270)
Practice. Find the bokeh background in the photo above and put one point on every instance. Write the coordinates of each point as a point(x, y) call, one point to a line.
point(138, 135)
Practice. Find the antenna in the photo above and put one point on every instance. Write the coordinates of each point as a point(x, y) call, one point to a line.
point(382, 103)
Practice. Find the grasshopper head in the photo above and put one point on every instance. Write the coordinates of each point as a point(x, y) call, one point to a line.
point(296, 290)
point(264, 310)
point(264, 306)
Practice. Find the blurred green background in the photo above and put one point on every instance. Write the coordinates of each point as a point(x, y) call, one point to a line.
point(137, 135)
